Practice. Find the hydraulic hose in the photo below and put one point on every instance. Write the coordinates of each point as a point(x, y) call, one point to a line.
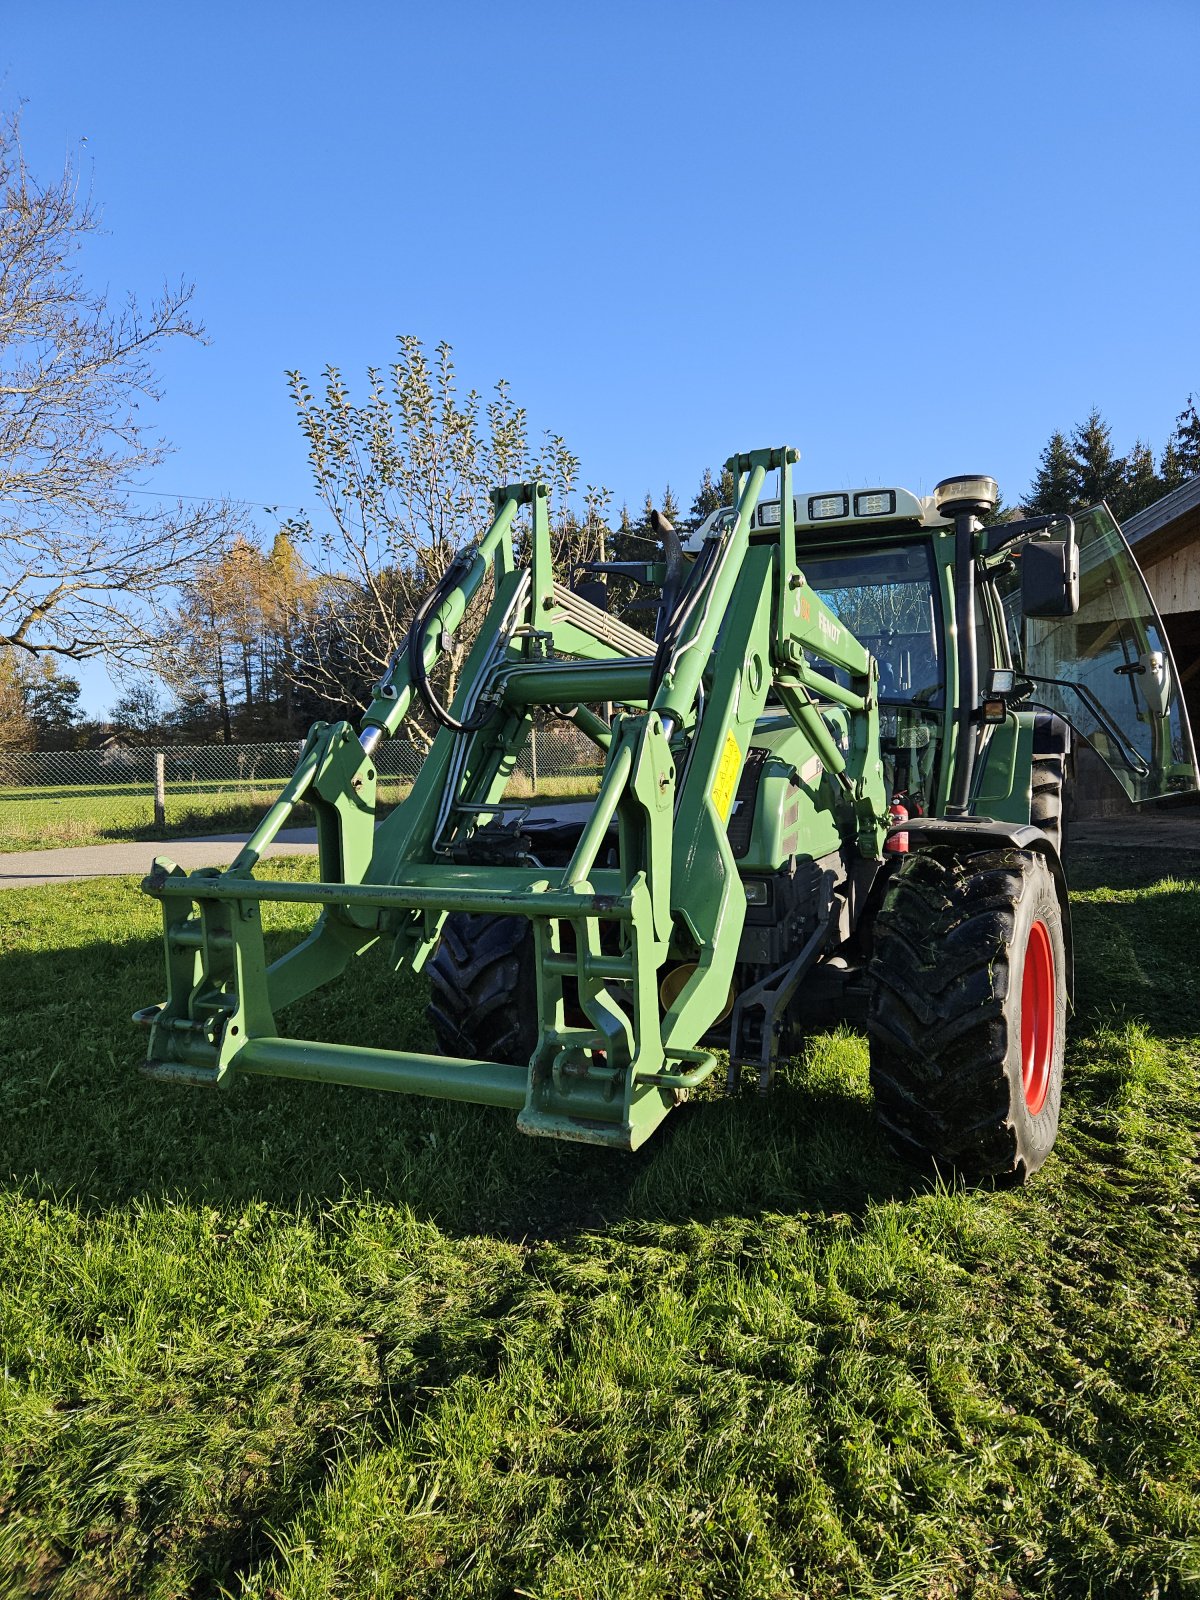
point(415, 644)
point(682, 615)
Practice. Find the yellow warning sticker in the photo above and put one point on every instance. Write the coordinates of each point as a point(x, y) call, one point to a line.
point(727, 776)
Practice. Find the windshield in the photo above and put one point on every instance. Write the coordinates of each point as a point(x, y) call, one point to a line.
point(886, 598)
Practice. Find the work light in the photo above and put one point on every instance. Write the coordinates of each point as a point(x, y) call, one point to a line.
point(828, 505)
point(875, 503)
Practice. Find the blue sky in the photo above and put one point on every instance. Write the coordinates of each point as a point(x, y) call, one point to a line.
point(910, 239)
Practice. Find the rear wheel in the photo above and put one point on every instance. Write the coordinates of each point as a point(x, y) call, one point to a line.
point(1046, 801)
point(483, 989)
point(967, 1012)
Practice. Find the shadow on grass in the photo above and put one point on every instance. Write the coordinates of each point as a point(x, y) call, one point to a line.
point(1135, 956)
point(77, 1118)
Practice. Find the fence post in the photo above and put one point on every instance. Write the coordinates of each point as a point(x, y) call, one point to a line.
point(160, 789)
point(533, 756)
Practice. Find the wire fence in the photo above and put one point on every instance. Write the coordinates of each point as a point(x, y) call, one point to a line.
point(65, 797)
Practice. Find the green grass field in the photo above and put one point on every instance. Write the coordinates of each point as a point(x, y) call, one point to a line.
point(52, 819)
point(313, 1343)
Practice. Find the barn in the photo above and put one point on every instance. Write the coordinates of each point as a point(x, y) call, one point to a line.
point(1165, 539)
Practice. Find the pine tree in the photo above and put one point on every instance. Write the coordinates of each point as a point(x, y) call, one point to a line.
point(708, 500)
point(1141, 485)
point(670, 507)
point(1052, 490)
point(1170, 468)
point(1186, 440)
point(1097, 474)
point(711, 496)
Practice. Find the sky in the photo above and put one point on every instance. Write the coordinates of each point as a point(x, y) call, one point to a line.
point(911, 240)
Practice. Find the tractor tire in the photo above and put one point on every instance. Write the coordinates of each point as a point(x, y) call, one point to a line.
point(483, 989)
point(1046, 809)
point(967, 1012)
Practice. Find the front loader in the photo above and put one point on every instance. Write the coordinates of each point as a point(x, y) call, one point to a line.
point(832, 786)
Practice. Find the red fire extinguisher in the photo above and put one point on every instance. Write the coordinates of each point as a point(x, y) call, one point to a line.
point(897, 843)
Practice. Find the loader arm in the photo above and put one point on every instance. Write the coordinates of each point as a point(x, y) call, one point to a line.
point(612, 1056)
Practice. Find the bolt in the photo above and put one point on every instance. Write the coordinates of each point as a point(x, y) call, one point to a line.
point(796, 581)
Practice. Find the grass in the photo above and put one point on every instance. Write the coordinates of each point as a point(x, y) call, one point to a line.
point(312, 1343)
point(49, 819)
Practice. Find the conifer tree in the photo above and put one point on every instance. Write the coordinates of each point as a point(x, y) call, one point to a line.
point(1141, 486)
point(1170, 468)
point(1097, 474)
point(1052, 491)
point(707, 500)
point(712, 495)
point(1186, 440)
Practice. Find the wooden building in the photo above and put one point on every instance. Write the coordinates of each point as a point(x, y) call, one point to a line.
point(1165, 539)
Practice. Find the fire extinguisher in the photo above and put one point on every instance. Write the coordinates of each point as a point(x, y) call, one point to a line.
point(897, 843)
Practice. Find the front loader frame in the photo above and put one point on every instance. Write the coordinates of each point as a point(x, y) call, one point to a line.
point(610, 1060)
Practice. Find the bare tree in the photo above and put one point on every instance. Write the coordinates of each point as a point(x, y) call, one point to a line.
point(403, 477)
point(83, 567)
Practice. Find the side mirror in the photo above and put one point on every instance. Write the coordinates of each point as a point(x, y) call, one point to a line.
point(1050, 578)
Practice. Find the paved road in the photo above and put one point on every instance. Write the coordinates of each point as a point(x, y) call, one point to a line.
point(1171, 830)
point(28, 868)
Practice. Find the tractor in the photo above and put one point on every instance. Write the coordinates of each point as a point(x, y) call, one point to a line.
point(833, 778)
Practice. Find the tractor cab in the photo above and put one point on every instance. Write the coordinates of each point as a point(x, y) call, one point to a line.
point(1085, 649)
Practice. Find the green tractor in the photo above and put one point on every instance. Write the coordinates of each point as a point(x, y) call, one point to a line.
point(833, 782)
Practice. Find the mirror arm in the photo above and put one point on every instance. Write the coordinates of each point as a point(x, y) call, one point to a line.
point(1010, 533)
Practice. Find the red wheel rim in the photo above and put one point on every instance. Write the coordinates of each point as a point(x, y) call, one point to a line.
point(1037, 1017)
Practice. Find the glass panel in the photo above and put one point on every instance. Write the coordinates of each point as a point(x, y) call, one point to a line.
point(1108, 669)
point(910, 743)
point(886, 599)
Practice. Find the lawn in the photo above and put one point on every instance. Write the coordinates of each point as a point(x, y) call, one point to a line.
point(59, 817)
point(303, 1342)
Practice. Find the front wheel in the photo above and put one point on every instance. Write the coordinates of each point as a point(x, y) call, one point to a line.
point(482, 989)
point(967, 1013)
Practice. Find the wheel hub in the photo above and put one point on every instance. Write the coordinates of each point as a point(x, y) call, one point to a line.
point(1038, 1008)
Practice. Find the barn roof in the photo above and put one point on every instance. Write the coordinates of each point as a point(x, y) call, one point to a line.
point(1174, 520)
